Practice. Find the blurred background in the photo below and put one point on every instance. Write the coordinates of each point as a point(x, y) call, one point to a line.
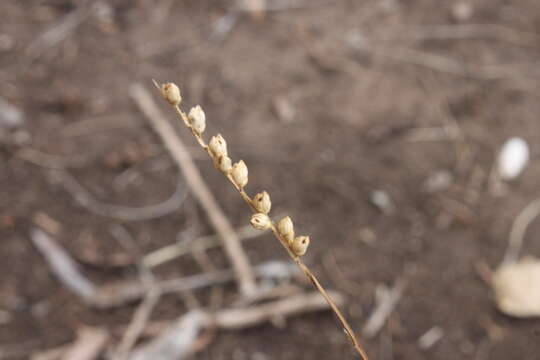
point(377, 125)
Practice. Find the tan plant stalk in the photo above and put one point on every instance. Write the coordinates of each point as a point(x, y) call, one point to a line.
point(260, 205)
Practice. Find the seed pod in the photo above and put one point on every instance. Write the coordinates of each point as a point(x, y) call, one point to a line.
point(218, 146)
point(299, 245)
point(286, 229)
point(261, 202)
point(197, 118)
point(239, 174)
point(224, 164)
point(171, 93)
point(260, 221)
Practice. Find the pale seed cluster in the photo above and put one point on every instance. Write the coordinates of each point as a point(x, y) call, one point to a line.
point(237, 173)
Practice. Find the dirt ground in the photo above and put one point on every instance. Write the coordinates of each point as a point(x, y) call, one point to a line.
point(329, 103)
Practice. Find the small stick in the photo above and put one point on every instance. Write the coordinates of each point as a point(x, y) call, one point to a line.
point(112, 295)
point(386, 300)
point(233, 248)
point(430, 338)
point(89, 344)
point(241, 318)
point(173, 251)
point(138, 323)
point(50, 354)
point(519, 228)
point(179, 339)
point(59, 31)
point(445, 64)
point(468, 31)
point(139, 89)
point(62, 265)
point(144, 310)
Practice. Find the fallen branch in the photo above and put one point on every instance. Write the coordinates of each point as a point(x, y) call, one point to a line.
point(178, 151)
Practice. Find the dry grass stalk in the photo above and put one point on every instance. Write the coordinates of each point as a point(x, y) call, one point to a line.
point(196, 183)
point(260, 205)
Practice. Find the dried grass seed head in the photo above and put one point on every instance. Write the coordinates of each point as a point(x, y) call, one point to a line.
point(261, 202)
point(224, 163)
point(286, 229)
point(260, 221)
point(197, 119)
point(239, 173)
point(218, 146)
point(299, 245)
point(171, 93)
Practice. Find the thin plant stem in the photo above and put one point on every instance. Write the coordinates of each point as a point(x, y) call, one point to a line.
point(308, 273)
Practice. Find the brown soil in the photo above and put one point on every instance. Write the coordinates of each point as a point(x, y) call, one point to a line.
point(360, 84)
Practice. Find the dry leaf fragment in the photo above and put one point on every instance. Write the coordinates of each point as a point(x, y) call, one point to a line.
point(517, 288)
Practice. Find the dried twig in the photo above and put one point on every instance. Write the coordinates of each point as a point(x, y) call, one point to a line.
point(178, 341)
point(46, 222)
point(137, 324)
point(467, 31)
point(144, 310)
point(231, 244)
point(430, 338)
point(519, 228)
point(58, 32)
point(89, 344)
point(62, 265)
point(49, 160)
point(173, 251)
point(86, 200)
point(50, 354)
point(386, 299)
point(237, 175)
point(118, 294)
point(445, 64)
point(240, 318)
